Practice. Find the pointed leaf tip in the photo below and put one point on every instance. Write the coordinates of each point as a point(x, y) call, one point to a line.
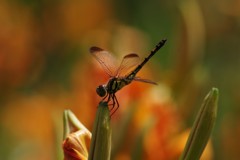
point(215, 92)
point(202, 127)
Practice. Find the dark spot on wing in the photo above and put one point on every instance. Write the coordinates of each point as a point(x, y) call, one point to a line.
point(95, 49)
point(131, 55)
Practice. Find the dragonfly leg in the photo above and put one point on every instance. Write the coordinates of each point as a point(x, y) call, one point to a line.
point(109, 98)
point(114, 100)
point(113, 103)
point(107, 95)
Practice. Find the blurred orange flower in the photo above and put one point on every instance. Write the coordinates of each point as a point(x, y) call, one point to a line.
point(17, 39)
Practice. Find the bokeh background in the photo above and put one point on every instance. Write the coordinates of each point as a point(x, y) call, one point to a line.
point(45, 67)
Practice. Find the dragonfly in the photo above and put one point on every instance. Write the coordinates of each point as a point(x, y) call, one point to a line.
point(122, 75)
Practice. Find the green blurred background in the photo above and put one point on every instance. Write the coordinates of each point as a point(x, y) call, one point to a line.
point(45, 66)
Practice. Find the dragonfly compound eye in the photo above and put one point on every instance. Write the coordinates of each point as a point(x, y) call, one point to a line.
point(101, 91)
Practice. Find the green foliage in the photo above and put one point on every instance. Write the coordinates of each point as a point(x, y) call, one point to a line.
point(100, 147)
point(202, 127)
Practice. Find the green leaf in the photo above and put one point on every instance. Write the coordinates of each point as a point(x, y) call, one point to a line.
point(100, 147)
point(202, 127)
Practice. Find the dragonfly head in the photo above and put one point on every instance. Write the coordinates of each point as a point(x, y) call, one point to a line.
point(101, 90)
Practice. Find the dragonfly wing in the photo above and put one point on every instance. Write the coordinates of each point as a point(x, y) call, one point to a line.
point(107, 61)
point(144, 80)
point(129, 63)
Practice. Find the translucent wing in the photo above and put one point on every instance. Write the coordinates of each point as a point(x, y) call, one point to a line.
point(107, 61)
point(144, 80)
point(129, 63)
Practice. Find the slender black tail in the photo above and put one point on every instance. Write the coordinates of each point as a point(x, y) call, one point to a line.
point(158, 46)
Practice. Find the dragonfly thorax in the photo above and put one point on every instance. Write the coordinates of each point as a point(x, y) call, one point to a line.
point(116, 84)
point(113, 85)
